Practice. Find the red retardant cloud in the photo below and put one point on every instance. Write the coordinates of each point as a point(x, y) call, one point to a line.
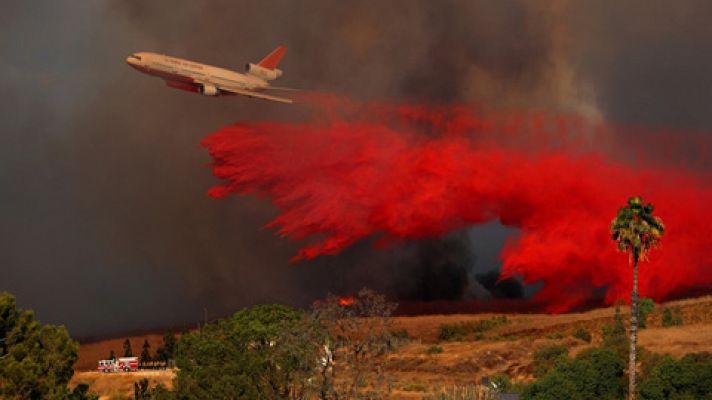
point(414, 172)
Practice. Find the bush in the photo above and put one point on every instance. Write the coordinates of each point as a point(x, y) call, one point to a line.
point(501, 383)
point(583, 334)
point(434, 350)
point(594, 374)
point(461, 330)
point(547, 357)
point(614, 336)
point(672, 320)
point(645, 307)
point(142, 391)
point(401, 334)
point(687, 378)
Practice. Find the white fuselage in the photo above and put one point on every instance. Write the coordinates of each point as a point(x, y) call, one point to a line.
point(177, 71)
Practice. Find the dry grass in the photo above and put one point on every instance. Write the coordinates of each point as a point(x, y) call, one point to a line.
point(120, 385)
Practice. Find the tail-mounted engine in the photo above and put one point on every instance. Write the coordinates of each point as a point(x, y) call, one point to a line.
point(262, 72)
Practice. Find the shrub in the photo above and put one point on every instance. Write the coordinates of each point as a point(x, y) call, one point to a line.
point(645, 307)
point(547, 357)
point(614, 336)
point(582, 334)
point(500, 383)
point(397, 338)
point(401, 334)
point(434, 350)
point(670, 319)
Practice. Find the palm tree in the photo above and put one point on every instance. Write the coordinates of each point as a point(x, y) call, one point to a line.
point(635, 230)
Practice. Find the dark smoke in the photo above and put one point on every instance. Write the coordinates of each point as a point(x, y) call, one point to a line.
point(105, 222)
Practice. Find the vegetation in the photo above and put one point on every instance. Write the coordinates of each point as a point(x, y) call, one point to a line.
point(142, 391)
point(555, 335)
point(461, 330)
point(251, 355)
point(111, 355)
point(359, 336)
point(146, 351)
point(646, 307)
point(415, 387)
point(35, 360)
point(595, 374)
point(635, 230)
point(275, 352)
point(166, 351)
point(687, 378)
point(127, 348)
point(670, 319)
point(546, 358)
point(582, 334)
point(614, 336)
point(434, 349)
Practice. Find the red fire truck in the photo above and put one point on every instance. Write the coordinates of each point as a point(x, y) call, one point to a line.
point(121, 364)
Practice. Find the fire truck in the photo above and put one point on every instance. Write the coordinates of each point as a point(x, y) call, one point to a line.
point(121, 364)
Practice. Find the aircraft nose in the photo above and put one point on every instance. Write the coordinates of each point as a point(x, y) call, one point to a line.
point(130, 60)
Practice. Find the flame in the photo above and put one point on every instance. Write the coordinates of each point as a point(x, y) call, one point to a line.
point(347, 301)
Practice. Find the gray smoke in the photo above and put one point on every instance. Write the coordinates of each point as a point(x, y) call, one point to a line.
point(106, 226)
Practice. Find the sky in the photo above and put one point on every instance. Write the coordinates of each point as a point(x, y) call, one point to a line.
point(105, 225)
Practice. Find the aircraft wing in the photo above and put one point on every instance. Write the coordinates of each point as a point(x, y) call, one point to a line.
point(258, 95)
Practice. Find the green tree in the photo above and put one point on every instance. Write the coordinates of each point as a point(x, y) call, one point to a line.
point(146, 351)
point(35, 360)
point(165, 352)
point(635, 230)
point(263, 352)
point(595, 374)
point(646, 307)
point(687, 378)
point(127, 348)
point(111, 355)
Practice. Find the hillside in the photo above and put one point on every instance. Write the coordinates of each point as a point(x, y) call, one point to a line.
point(505, 349)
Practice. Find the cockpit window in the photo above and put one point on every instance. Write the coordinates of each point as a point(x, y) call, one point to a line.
point(136, 57)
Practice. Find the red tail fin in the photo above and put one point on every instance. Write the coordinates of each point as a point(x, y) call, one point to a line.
point(273, 58)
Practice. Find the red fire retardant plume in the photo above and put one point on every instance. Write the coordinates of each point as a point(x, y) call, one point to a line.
point(414, 172)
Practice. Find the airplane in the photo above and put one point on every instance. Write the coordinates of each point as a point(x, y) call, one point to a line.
point(214, 81)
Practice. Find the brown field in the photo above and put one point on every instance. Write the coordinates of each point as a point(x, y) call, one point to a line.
point(506, 349)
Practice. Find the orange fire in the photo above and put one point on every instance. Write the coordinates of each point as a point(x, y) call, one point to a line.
point(346, 301)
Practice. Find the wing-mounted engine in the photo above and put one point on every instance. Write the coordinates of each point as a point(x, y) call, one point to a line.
point(268, 74)
point(208, 89)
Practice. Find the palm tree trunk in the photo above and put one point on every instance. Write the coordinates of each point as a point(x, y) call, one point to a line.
point(633, 330)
